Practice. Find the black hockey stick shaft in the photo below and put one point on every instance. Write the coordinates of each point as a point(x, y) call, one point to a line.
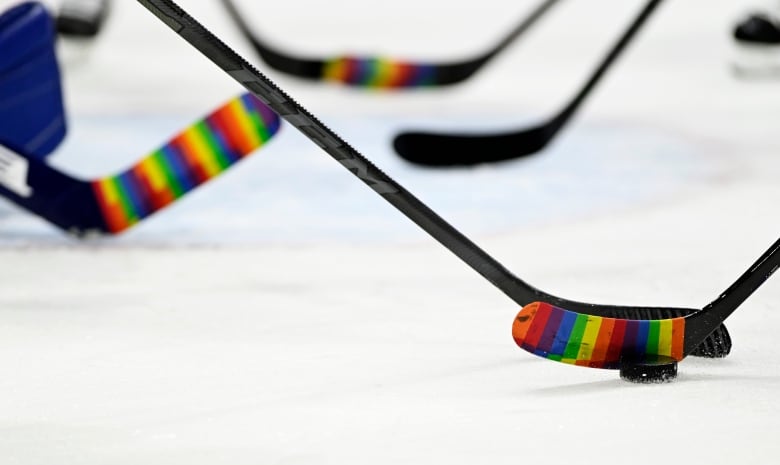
point(436, 74)
point(702, 323)
point(238, 68)
point(521, 28)
point(606, 63)
point(307, 68)
point(441, 149)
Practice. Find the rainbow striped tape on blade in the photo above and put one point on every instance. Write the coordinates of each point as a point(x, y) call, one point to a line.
point(196, 155)
point(593, 341)
point(378, 73)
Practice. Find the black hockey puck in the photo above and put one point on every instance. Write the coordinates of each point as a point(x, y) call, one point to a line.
point(81, 18)
point(657, 371)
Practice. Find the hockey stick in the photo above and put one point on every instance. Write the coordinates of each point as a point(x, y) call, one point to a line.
point(433, 149)
point(572, 337)
point(112, 204)
point(717, 344)
point(380, 72)
point(82, 18)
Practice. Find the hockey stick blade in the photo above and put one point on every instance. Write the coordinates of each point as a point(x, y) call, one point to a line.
point(112, 204)
point(380, 72)
point(575, 338)
point(439, 149)
point(519, 291)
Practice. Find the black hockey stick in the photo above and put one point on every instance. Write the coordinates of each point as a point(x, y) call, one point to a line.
point(110, 205)
point(380, 72)
point(82, 18)
point(716, 344)
point(643, 350)
point(434, 149)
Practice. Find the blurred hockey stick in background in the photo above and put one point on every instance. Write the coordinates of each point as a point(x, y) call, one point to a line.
point(441, 149)
point(380, 72)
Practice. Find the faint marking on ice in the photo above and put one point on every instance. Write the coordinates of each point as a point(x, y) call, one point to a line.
point(290, 192)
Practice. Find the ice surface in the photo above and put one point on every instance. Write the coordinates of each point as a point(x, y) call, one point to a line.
point(290, 193)
point(284, 314)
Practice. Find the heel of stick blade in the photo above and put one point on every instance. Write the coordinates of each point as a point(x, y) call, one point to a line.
point(716, 345)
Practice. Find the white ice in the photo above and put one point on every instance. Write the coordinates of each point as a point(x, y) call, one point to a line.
point(285, 314)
